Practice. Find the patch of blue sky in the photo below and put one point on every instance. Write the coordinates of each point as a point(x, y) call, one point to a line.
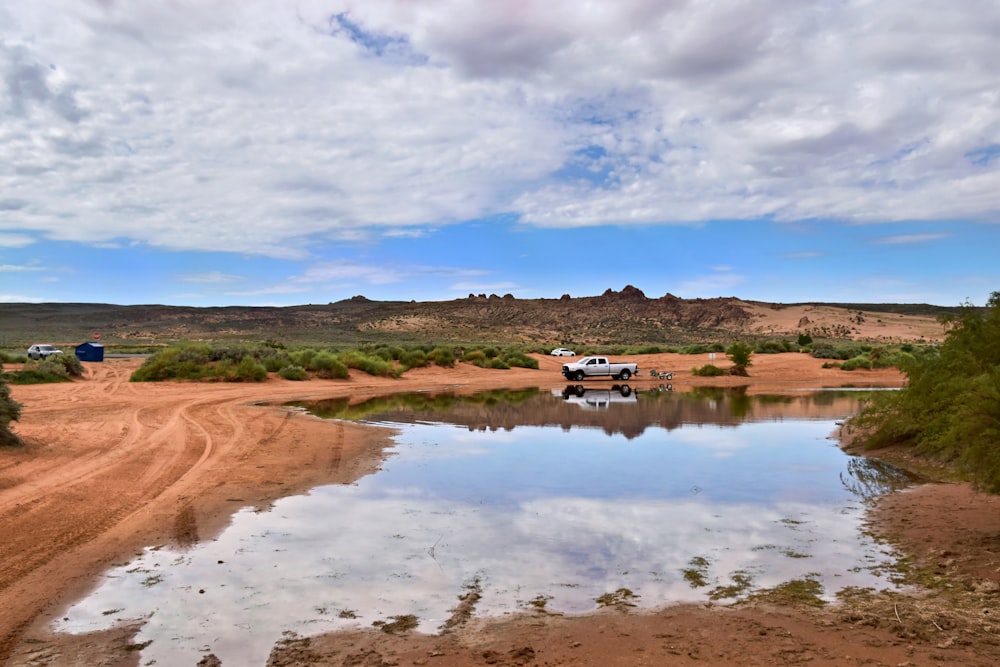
point(984, 156)
point(376, 43)
point(589, 164)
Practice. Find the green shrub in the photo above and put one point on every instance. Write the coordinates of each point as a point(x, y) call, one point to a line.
point(293, 372)
point(856, 362)
point(775, 347)
point(10, 410)
point(249, 370)
point(275, 359)
point(824, 351)
point(303, 357)
point(520, 360)
point(739, 353)
point(371, 365)
point(172, 363)
point(70, 362)
point(413, 359)
point(475, 357)
point(442, 356)
point(708, 370)
point(328, 366)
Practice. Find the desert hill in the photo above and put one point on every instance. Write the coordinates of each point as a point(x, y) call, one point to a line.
point(615, 317)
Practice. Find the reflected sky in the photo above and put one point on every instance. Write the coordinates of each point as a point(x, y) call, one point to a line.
point(527, 516)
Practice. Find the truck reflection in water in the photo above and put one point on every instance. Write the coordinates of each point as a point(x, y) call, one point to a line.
point(597, 398)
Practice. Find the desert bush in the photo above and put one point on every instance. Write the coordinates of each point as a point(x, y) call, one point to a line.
point(702, 348)
point(329, 366)
point(172, 363)
point(824, 351)
point(70, 362)
point(855, 363)
point(293, 372)
point(303, 356)
point(442, 356)
point(520, 360)
point(53, 369)
point(274, 359)
point(248, 369)
point(775, 347)
point(368, 364)
point(475, 357)
point(708, 370)
point(10, 411)
point(413, 359)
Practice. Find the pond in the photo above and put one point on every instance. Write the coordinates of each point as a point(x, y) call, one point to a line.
point(533, 500)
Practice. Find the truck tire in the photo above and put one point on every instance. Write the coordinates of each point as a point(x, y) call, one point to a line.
point(578, 376)
point(625, 375)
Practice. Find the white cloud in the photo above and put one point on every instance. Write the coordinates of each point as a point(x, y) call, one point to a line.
point(722, 281)
point(502, 287)
point(907, 239)
point(18, 268)
point(15, 240)
point(212, 277)
point(264, 128)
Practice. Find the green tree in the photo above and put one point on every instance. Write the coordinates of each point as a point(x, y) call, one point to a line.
point(10, 410)
point(950, 408)
point(739, 353)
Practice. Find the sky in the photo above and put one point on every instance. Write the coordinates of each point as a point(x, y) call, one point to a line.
point(284, 152)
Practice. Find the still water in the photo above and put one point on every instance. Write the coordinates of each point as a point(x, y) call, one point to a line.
point(532, 499)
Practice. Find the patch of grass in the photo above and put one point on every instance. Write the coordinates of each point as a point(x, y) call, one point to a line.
point(805, 591)
point(401, 623)
point(741, 583)
point(152, 580)
point(539, 602)
point(696, 572)
point(620, 598)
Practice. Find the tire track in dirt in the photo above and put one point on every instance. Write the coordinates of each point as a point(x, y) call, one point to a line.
point(160, 445)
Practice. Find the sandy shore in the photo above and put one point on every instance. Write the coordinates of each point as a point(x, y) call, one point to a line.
point(111, 466)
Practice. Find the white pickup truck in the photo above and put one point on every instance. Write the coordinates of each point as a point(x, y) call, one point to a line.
point(591, 367)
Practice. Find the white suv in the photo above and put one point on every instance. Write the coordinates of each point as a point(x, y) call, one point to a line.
point(42, 351)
